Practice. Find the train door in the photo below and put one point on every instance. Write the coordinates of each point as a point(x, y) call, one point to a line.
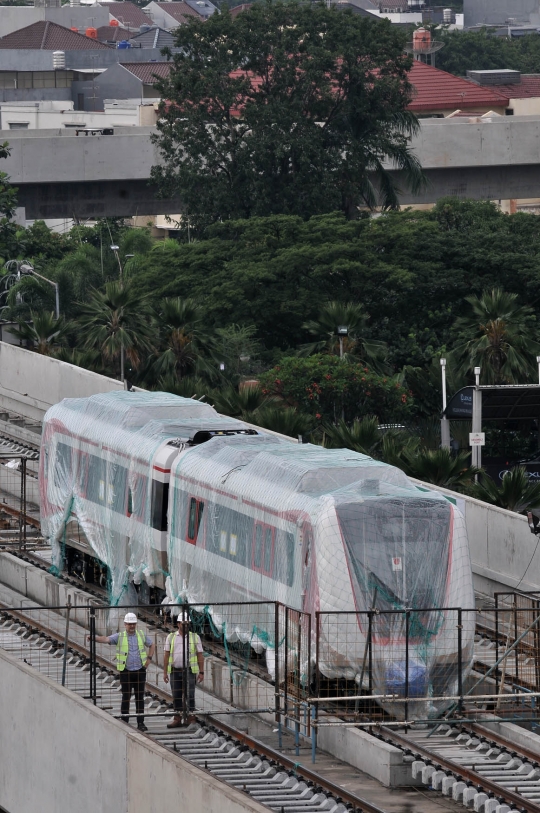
point(264, 537)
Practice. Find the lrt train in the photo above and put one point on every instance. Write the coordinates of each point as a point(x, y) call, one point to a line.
point(161, 492)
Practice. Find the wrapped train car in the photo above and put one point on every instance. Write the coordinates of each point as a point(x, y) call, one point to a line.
point(172, 496)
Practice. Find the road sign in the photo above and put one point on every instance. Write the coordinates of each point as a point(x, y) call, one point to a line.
point(477, 438)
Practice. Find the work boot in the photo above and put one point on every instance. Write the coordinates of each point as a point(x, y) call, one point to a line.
point(176, 722)
point(142, 727)
point(125, 719)
point(191, 719)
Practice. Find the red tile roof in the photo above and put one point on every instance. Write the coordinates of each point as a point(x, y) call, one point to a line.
point(113, 33)
point(148, 71)
point(438, 90)
point(47, 36)
point(129, 15)
point(179, 11)
point(528, 88)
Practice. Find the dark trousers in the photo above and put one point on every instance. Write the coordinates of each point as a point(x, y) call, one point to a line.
point(177, 689)
point(133, 681)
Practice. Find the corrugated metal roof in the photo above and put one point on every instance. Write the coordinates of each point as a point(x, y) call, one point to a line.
point(129, 15)
point(148, 71)
point(47, 36)
point(439, 90)
point(155, 38)
point(528, 88)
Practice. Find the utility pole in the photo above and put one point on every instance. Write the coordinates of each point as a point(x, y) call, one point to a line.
point(445, 424)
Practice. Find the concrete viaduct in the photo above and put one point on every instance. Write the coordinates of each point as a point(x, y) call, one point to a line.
point(60, 174)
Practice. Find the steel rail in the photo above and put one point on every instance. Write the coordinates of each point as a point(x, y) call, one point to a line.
point(503, 742)
point(515, 799)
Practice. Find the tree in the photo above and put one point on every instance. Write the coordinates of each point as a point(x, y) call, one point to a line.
point(185, 339)
point(500, 338)
point(438, 467)
point(361, 436)
point(287, 108)
point(114, 319)
point(325, 386)
point(353, 318)
point(44, 332)
point(515, 493)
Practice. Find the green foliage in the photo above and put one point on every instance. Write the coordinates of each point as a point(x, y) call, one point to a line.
point(481, 50)
point(277, 111)
point(361, 436)
point(438, 467)
point(498, 338)
point(44, 332)
point(515, 492)
point(327, 387)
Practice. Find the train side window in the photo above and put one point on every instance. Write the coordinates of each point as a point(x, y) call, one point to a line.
point(258, 547)
point(160, 501)
point(289, 548)
point(130, 502)
point(268, 551)
point(196, 508)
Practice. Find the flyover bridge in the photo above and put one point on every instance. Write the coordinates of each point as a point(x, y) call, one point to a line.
point(60, 174)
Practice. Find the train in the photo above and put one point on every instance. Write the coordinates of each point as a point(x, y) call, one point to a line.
point(161, 494)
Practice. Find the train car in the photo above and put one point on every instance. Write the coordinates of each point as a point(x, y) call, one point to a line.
point(173, 496)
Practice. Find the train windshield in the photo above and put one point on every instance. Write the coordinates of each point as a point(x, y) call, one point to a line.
point(398, 551)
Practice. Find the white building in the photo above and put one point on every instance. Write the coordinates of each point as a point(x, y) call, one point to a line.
point(57, 115)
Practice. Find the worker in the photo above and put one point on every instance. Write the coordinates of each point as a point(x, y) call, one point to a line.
point(131, 662)
point(174, 665)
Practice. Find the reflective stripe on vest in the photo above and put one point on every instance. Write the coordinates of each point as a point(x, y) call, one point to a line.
point(193, 662)
point(122, 648)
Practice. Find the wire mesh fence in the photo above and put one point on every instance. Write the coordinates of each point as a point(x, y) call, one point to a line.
point(338, 668)
point(19, 500)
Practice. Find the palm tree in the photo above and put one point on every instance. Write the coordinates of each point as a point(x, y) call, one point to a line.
point(327, 339)
point(515, 493)
point(117, 319)
point(250, 404)
point(361, 436)
point(185, 338)
point(285, 420)
point(499, 338)
point(44, 332)
point(439, 467)
point(242, 401)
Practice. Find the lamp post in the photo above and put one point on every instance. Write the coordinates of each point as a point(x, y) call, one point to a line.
point(26, 268)
point(445, 425)
point(476, 452)
point(342, 331)
point(538, 362)
point(115, 249)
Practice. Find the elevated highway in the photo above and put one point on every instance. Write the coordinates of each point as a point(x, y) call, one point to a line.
point(60, 174)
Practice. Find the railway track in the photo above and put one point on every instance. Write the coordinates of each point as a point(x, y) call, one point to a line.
point(482, 771)
point(243, 762)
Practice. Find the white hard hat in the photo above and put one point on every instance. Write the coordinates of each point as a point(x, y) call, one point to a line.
point(130, 618)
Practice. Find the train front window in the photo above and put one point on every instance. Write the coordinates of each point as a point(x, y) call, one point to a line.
point(397, 550)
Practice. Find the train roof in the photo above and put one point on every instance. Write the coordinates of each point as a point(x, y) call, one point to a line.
point(136, 423)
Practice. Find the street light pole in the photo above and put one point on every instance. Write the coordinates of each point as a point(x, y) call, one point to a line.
point(445, 425)
point(538, 362)
point(476, 452)
point(115, 249)
point(26, 268)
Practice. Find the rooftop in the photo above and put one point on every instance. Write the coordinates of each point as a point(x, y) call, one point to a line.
point(439, 90)
point(47, 36)
point(527, 88)
point(179, 11)
point(128, 15)
point(113, 33)
point(234, 12)
point(155, 37)
point(148, 71)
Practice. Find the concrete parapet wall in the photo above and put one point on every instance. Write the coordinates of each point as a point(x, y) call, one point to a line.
point(504, 553)
point(31, 383)
point(96, 764)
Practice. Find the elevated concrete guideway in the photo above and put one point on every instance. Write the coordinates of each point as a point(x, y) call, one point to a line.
point(60, 174)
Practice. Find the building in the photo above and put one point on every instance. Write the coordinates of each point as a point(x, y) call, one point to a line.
point(58, 115)
point(13, 18)
point(130, 81)
point(523, 90)
point(500, 12)
point(127, 14)
point(438, 93)
point(172, 14)
point(113, 34)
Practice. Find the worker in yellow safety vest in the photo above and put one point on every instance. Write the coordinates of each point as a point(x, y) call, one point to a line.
point(131, 663)
point(177, 665)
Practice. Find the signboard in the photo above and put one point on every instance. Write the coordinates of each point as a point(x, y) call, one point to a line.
point(396, 563)
point(460, 404)
point(477, 438)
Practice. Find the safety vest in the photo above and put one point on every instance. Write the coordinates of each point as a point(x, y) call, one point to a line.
point(122, 649)
point(193, 662)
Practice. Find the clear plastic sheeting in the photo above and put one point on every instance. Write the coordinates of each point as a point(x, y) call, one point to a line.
point(172, 496)
point(97, 466)
point(329, 531)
